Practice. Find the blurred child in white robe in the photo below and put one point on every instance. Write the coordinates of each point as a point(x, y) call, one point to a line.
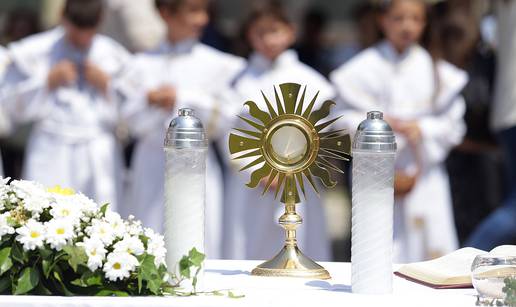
point(252, 230)
point(421, 98)
point(62, 80)
point(181, 72)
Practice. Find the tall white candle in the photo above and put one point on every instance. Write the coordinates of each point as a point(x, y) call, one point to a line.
point(185, 190)
point(372, 207)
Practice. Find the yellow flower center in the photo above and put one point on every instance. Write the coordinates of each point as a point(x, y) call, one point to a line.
point(34, 234)
point(117, 266)
point(65, 212)
point(93, 252)
point(60, 231)
point(61, 191)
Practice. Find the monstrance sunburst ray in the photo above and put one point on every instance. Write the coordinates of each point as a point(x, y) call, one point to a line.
point(333, 144)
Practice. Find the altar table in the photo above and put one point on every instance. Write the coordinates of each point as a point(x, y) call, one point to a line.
point(271, 291)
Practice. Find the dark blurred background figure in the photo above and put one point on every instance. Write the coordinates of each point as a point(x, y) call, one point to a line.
point(212, 34)
point(311, 47)
point(365, 24)
point(500, 226)
point(475, 166)
point(19, 23)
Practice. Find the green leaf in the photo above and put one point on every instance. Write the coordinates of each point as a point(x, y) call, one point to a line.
point(18, 254)
point(103, 209)
point(108, 292)
point(28, 280)
point(184, 267)
point(88, 279)
point(46, 253)
point(47, 266)
point(42, 290)
point(5, 284)
point(149, 273)
point(5, 239)
point(196, 257)
point(77, 256)
point(58, 277)
point(233, 295)
point(144, 240)
point(140, 283)
point(5, 260)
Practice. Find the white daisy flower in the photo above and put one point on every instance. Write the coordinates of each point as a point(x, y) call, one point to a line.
point(5, 227)
point(131, 245)
point(102, 230)
point(119, 265)
point(36, 203)
point(31, 235)
point(58, 233)
point(96, 252)
point(116, 222)
point(88, 206)
point(65, 208)
point(34, 196)
point(156, 246)
point(134, 227)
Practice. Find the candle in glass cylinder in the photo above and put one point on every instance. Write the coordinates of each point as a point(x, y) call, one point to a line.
point(374, 150)
point(186, 148)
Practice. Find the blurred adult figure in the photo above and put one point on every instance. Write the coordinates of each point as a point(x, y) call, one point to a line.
point(500, 227)
point(63, 80)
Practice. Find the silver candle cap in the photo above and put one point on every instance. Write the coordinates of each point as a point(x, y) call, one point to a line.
point(374, 134)
point(186, 131)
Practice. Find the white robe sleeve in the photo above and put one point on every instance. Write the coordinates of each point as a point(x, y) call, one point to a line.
point(23, 97)
point(356, 93)
point(440, 133)
point(445, 128)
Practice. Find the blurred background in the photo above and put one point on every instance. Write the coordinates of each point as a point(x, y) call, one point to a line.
point(329, 33)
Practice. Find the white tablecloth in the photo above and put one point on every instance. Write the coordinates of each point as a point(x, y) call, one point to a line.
point(270, 291)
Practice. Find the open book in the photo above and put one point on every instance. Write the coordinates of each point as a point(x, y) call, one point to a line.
point(451, 271)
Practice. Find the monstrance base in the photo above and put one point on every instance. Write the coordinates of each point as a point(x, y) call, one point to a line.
point(291, 262)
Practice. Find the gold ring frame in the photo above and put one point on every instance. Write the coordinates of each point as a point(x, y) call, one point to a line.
point(290, 166)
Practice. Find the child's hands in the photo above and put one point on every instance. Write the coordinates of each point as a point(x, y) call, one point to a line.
point(96, 77)
point(410, 129)
point(63, 73)
point(163, 97)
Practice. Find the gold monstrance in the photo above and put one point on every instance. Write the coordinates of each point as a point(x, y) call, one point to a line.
point(289, 143)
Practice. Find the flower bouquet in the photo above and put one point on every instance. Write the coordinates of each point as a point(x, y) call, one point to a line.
point(58, 242)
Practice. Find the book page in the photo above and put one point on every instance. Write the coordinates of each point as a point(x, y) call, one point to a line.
point(504, 250)
point(452, 268)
